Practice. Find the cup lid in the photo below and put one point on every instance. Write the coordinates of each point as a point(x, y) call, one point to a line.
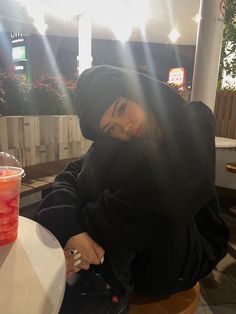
point(10, 173)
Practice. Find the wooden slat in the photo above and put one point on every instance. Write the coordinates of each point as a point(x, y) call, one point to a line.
point(10, 131)
point(45, 169)
point(40, 177)
point(60, 130)
point(231, 167)
point(39, 139)
point(217, 104)
point(63, 150)
point(25, 190)
point(21, 134)
point(51, 152)
point(232, 125)
point(218, 113)
point(36, 186)
point(48, 179)
point(16, 133)
point(225, 114)
point(42, 154)
point(42, 130)
point(27, 131)
point(51, 138)
point(3, 134)
point(37, 131)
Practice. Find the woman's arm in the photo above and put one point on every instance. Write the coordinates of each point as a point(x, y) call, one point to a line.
point(80, 182)
point(58, 210)
point(58, 213)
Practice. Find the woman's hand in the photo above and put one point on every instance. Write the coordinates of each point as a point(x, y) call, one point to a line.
point(74, 262)
point(81, 251)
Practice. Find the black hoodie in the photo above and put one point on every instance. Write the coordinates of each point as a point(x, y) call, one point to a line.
point(142, 193)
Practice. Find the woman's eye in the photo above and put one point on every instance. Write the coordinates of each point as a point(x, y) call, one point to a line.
point(121, 109)
point(110, 130)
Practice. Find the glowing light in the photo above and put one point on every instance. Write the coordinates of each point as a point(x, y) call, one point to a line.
point(64, 9)
point(19, 67)
point(121, 16)
point(36, 10)
point(41, 26)
point(17, 40)
point(148, 56)
point(122, 32)
point(196, 18)
point(177, 76)
point(138, 12)
point(174, 35)
point(55, 71)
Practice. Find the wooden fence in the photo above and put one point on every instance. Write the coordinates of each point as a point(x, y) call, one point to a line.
point(37, 139)
point(225, 114)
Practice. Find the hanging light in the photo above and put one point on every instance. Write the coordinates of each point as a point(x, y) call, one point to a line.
point(174, 35)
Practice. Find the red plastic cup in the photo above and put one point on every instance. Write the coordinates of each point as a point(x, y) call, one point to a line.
point(10, 181)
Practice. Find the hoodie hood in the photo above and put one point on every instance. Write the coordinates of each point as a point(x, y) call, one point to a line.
point(98, 87)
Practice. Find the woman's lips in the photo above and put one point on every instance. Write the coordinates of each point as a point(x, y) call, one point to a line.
point(138, 132)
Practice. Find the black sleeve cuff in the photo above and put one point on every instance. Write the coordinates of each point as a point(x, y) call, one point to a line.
point(61, 221)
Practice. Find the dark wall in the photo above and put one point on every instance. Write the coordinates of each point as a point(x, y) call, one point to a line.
point(54, 54)
point(150, 58)
point(5, 51)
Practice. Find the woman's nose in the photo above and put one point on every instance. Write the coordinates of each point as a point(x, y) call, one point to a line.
point(125, 126)
point(128, 128)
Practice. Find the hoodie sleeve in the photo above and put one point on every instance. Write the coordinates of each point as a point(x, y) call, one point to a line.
point(58, 210)
point(80, 181)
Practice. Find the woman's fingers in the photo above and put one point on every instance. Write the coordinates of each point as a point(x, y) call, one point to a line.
point(79, 263)
point(69, 273)
point(75, 262)
point(73, 259)
point(99, 252)
point(84, 266)
point(90, 251)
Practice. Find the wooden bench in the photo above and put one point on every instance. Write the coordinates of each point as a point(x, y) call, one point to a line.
point(184, 302)
point(39, 178)
point(231, 167)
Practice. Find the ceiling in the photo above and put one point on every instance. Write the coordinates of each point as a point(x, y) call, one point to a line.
point(163, 17)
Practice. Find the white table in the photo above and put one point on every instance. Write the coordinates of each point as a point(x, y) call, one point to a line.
point(223, 142)
point(225, 152)
point(32, 272)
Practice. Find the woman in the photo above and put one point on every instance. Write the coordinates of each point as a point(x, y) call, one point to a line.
point(143, 195)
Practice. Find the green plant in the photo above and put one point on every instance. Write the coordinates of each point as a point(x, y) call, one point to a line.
point(2, 94)
point(48, 95)
point(52, 95)
point(14, 91)
point(228, 86)
point(228, 51)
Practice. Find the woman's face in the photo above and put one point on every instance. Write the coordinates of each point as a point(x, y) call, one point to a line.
point(124, 120)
